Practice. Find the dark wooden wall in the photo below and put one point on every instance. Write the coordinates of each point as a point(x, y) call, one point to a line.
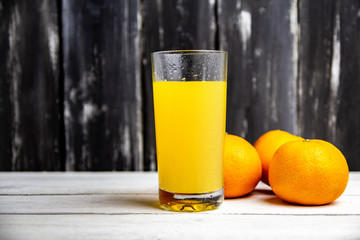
point(75, 76)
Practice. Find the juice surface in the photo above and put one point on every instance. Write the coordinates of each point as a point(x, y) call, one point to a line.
point(190, 130)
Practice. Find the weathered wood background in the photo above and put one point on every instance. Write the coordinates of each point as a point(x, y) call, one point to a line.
point(75, 76)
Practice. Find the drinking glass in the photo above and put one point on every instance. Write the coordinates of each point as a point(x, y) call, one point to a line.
point(189, 90)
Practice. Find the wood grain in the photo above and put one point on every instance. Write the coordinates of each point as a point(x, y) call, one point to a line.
point(98, 227)
point(347, 116)
point(30, 101)
point(91, 183)
point(78, 183)
point(103, 101)
point(76, 87)
point(136, 193)
point(124, 205)
point(318, 59)
point(329, 60)
point(256, 203)
point(261, 37)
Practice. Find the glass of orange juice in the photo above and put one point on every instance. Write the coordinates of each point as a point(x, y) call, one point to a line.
point(189, 89)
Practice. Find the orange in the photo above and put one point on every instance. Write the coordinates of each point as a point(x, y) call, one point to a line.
point(242, 167)
point(309, 172)
point(267, 145)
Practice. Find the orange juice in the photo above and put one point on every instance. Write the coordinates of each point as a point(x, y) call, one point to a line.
point(190, 130)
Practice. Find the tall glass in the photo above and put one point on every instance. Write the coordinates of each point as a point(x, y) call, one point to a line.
point(190, 111)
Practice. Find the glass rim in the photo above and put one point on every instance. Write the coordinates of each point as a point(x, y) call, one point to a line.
point(199, 51)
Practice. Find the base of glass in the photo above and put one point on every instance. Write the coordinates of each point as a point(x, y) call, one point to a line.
point(185, 202)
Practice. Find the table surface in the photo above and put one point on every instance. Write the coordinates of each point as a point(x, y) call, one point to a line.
point(124, 205)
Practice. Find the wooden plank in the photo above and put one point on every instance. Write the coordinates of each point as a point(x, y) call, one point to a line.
point(261, 37)
point(259, 202)
point(317, 61)
point(5, 90)
point(329, 57)
point(78, 183)
point(137, 193)
point(132, 215)
point(172, 227)
point(30, 183)
point(178, 25)
point(346, 116)
point(103, 101)
point(30, 100)
point(171, 25)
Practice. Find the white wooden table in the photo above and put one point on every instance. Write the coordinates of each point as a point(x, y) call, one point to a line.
point(124, 205)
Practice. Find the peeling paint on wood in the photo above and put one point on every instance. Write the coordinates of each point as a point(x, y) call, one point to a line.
point(103, 102)
point(317, 63)
point(85, 66)
point(262, 65)
point(30, 125)
point(348, 114)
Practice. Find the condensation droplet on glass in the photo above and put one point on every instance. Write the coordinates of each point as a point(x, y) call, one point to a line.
point(183, 79)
